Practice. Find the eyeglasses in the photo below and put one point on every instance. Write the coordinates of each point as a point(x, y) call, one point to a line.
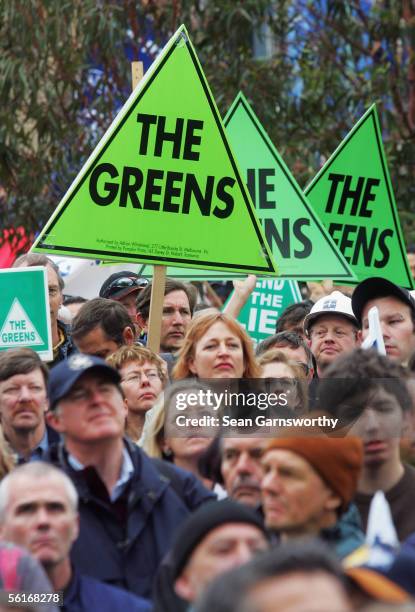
point(126, 281)
point(138, 376)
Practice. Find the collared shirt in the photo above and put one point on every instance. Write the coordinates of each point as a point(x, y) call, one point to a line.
point(37, 453)
point(127, 470)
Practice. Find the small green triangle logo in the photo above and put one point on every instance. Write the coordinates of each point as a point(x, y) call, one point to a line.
point(353, 196)
point(162, 186)
point(299, 241)
point(17, 329)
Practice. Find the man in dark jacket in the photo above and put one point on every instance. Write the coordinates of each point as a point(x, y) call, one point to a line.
point(129, 508)
point(39, 511)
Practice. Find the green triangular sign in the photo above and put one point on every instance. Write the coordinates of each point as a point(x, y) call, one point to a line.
point(17, 329)
point(300, 243)
point(354, 198)
point(162, 186)
point(191, 273)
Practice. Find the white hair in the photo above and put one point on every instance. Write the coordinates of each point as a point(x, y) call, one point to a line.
point(36, 470)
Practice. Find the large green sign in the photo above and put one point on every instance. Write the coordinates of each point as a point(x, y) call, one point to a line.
point(266, 304)
point(353, 196)
point(162, 186)
point(299, 241)
point(24, 311)
point(190, 274)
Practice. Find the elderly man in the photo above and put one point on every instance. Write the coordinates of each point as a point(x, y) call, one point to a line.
point(129, 510)
point(396, 313)
point(331, 329)
point(309, 482)
point(23, 404)
point(38, 510)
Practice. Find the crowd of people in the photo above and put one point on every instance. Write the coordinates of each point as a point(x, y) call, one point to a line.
point(104, 502)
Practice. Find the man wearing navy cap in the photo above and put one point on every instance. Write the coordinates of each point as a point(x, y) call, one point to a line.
point(129, 510)
point(396, 313)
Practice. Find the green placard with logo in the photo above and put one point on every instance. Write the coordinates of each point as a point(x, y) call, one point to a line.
point(299, 241)
point(354, 198)
point(24, 311)
point(162, 186)
point(266, 304)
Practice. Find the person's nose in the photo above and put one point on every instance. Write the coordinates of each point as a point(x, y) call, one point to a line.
point(223, 348)
point(177, 318)
point(385, 330)
point(271, 483)
point(371, 421)
point(25, 393)
point(42, 519)
point(244, 464)
point(243, 554)
point(144, 381)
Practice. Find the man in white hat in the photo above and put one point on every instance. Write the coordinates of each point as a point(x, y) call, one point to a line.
point(331, 329)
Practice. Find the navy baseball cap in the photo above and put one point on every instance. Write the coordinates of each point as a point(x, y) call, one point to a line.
point(378, 287)
point(64, 375)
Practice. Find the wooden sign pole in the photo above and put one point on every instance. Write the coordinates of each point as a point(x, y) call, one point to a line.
point(159, 272)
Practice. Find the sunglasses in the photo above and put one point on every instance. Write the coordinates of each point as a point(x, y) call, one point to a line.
point(125, 281)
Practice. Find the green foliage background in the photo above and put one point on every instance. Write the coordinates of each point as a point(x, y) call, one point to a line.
point(328, 61)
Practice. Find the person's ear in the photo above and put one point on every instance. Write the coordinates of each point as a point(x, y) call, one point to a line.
point(333, 501)
point(141, 322)
point(128, 335)
point(75, 532)
point(407, 424)
point(183, 588)
point(53, 419)
point(191, 366)
point(359, 337)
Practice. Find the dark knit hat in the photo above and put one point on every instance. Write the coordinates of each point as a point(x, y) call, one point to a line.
point(206, 518)
point(337, 460)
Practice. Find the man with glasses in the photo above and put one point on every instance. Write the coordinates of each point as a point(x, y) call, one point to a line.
point(124, 287)
point(129, 511)
point(331, 329)
point(143, 378)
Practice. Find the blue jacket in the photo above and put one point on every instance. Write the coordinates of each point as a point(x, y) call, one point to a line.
point(85, 594)
point(127, 553)
point(346, 535)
